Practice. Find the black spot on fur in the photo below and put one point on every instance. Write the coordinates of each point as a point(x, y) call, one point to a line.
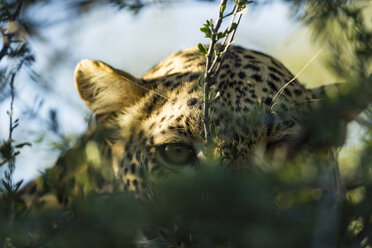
point(298, 92)
point(188, 55)
point(247, 100)
point(241, 75)
point(168, 64)
point(133, 168)
point(257, 78)
point(193, 89)
point(272, 86)
point(287, 92)
point(247, 56)
point(168, 71)
point(273, 77)
point(187, 66)
point(238, 90)
point(192, 102)
point(268, 101)
point(135, 183)
point(225, 67)
point(239, 48)
point(155, 69)
point(275, 63)
point(252, 67)
point(190, 59)
point(179, 76)
point(193, 77)
point(175, 85)
point(129, 156)
point(273, 69)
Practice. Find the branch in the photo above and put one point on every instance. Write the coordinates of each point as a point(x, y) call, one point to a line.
point(214, 58)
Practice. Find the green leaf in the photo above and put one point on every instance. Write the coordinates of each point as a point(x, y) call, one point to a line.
point(223, 7)
point(207, 31)
point(7, 186)
point(202, 49)
point(204, 30)
point(18, 184)
point(220, 35)
point(234, 26)
point(23, 144)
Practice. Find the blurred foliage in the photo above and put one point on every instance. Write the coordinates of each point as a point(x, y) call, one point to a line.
point(300, 204)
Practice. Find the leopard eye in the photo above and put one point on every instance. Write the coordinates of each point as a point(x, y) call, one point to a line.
point(177, 154)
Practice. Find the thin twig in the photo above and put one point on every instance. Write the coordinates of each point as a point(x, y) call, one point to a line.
point(207, 74)
point(215, 58)
point(12, 95)
point(231, 40)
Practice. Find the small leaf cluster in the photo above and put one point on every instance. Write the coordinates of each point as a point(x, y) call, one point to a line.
point(210, 29)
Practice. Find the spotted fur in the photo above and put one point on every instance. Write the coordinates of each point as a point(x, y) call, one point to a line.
point(141, 116)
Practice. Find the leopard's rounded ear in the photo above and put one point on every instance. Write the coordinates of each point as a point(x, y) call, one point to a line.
point(104, 88)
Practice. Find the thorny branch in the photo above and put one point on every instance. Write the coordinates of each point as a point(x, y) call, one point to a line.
point(8, 148)
point(12, 125)
point(215, 56)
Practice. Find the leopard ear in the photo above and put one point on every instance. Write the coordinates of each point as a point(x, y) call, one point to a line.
point(105, 89)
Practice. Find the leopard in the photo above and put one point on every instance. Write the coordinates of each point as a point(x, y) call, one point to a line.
point(153, 124)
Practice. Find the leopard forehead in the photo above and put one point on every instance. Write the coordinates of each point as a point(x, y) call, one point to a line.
point(175, 98)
